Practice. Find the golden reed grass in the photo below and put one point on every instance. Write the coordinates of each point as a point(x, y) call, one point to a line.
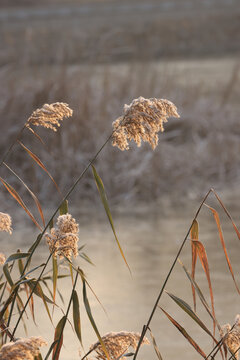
point(49, 115)
point(232, 337)
point(117, 344)
point(2, 258)
point(22, 349)
point(63, 239)
point(5, 222)
point(141, 121)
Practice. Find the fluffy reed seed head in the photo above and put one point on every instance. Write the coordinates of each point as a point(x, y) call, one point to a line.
point(232, 337)
point(67, 224)
point(22, 349)
point(63, 240)
point(49, 115)
point(5, 222)
point(141, 121)
point(117, 344)
point(2, 258)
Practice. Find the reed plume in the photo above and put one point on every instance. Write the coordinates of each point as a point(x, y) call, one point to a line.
point(2, 258)
point(141, 121)
point(22, 349)
point(63, 239)
point(49, 115)
point(232, 337)
point(117, 344)
point(5, 222)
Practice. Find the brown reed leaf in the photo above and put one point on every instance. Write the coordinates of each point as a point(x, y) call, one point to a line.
point(49, 115)
point(217, 219)
point(57, 349)
point(17, 197)
point(39, 162)
point(201, 252)
point(141, 121)
point(185, 334)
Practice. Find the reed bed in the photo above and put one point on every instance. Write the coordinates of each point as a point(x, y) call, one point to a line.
point(141, 121)
point(208, 107)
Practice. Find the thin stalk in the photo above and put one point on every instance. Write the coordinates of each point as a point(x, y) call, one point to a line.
point(66, 315)
point(12, 145)
point(44, 230)
point(145, 327)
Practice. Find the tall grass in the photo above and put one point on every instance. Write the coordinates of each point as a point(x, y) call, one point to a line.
point(97, 94)
point(141, 120)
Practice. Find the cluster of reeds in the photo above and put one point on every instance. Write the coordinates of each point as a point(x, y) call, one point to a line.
point(142, 120)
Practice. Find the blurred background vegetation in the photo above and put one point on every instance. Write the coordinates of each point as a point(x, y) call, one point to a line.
point(99, 55)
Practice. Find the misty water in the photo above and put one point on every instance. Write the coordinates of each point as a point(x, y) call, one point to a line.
point(150, 238)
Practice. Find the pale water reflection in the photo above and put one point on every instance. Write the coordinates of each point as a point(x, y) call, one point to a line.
point(150, 241)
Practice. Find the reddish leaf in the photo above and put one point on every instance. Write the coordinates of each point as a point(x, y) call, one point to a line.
point(31, 193)
point(17, 197)
point(228, 214)
point(201, 252)
point(57, 348)
point(39, 162)
point(186, 335)
point(216, 217)
point(194, 236)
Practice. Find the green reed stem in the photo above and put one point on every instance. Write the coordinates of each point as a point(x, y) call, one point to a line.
point(43, 232)
point(65, 319)
point(145, 327)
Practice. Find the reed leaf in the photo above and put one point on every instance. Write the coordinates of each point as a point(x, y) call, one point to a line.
point(190, 312)
point(16, 256)
point(185, 334)
point(90, 316)
point(76, 316)
point(199, 292)
point(217, 219)
point(63, 209)
point(39, 162)
point(103, 197)
point(37, 290)
point(37, 202)
point(57, 339)
point(194, 236)
point(55, 276)
point(201, 252)
point(17, 197)
point(155, 345)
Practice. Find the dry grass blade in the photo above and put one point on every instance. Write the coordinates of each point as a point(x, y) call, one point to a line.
point(185, 334)
point(201, 252)
point(227, 213)
point(31, 193)
point(155, 345)
point(39, 162)
point(217, 219)
point(17, 197)
point(194, 236)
